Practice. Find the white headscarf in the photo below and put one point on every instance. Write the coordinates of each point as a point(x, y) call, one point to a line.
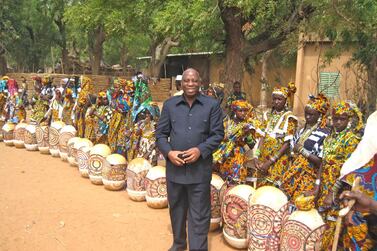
point(366, 149)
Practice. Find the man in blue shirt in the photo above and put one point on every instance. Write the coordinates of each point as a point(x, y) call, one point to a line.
point(189, 130)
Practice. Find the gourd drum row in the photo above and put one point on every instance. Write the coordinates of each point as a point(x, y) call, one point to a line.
point(253, 219)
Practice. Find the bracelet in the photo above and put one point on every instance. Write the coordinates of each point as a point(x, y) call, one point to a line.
point(317, 182)
point(305, 153)
point(274, 158)
point(257, 153)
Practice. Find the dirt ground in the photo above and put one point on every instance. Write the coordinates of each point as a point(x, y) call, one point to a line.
point(46, 205)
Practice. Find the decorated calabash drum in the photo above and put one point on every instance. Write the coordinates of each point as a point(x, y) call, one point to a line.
point(83, 154)
point(42, 139)
point(234, 212)
point(72, 152)
point(66, 133)
point(8, 133)
point(136, 171)
point(302, 231)
point(268, 207)
point(31, 138)
point(2, 123)
point(53, 137)
point(97, 160)
point(114, 172)
point(216, 183)
point(155, 186)
point(82, 149)
point(19, 135)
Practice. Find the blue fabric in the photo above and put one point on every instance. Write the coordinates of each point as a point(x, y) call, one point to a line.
point(182, 127)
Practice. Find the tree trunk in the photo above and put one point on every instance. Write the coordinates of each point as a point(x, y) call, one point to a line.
point(159, 51)
point(123, 58)
point(234, 44)
point(264, 80)
point(3, 61)
point(372, 86)
point(65, 61)
point(96, 40)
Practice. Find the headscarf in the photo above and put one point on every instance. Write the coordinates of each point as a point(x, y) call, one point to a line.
point(102, 94)
point(349, 108)
point(46, 79)
point(242, 105)
point(5, 78)
point(321, 104)
point(285, 91)
point(365, 150)
point(152, 107)
point(86, 89)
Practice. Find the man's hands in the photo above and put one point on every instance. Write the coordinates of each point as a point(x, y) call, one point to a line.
point(173, 157)
point(189, 156)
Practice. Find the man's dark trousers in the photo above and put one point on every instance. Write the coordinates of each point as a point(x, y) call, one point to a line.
point(194, 200)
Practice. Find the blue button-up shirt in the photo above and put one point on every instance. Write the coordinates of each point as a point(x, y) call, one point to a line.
point(182, 127)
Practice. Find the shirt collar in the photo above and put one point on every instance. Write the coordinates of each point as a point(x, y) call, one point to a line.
point(199, 99)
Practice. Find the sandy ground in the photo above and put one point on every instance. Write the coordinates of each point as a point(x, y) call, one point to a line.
point(46, 205)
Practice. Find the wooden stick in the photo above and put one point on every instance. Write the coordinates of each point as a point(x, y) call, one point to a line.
point(343, 212)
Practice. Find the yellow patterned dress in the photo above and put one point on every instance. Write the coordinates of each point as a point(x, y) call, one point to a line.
point(280, 128)
point(231, 154)
point(302, 173)
point(337, 149)
point(362, 235)
point(91, 125)
point(67, 111)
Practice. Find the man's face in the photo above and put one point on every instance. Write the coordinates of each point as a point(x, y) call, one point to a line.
point(190, 83)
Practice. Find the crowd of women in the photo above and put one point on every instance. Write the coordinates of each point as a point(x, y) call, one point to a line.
point(299, 161)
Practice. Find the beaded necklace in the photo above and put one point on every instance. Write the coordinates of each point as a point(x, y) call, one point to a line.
point(306, 133)
point(273, 119)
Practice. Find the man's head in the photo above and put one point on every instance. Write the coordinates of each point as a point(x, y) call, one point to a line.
point(237, 87)
point(190, 82)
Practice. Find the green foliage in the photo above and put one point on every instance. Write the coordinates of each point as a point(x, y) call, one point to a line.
point(349, 24)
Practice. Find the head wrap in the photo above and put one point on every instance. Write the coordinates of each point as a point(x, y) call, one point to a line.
point(321, 104)
point(86, 89)
point(5, 78)
point(242, 105)
point(152, 107)
point(68, 92)
point(351, 109)
point(102, 94)
point(46, 79)
point(285, 91)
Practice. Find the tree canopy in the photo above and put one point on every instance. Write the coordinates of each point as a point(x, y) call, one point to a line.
point(89, 35)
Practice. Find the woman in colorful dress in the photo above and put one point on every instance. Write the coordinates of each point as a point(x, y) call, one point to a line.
point(68, 104)
point(337, 147)
point(121, 104)
point(307, 149)
point(81, 104)
point(103, 114)
point(360, 233)
point(91, 121)
point(240, 131)
point(142, 94)
point(39, 105)
point(272, 158)
point(143, 139)
point(54, 113)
